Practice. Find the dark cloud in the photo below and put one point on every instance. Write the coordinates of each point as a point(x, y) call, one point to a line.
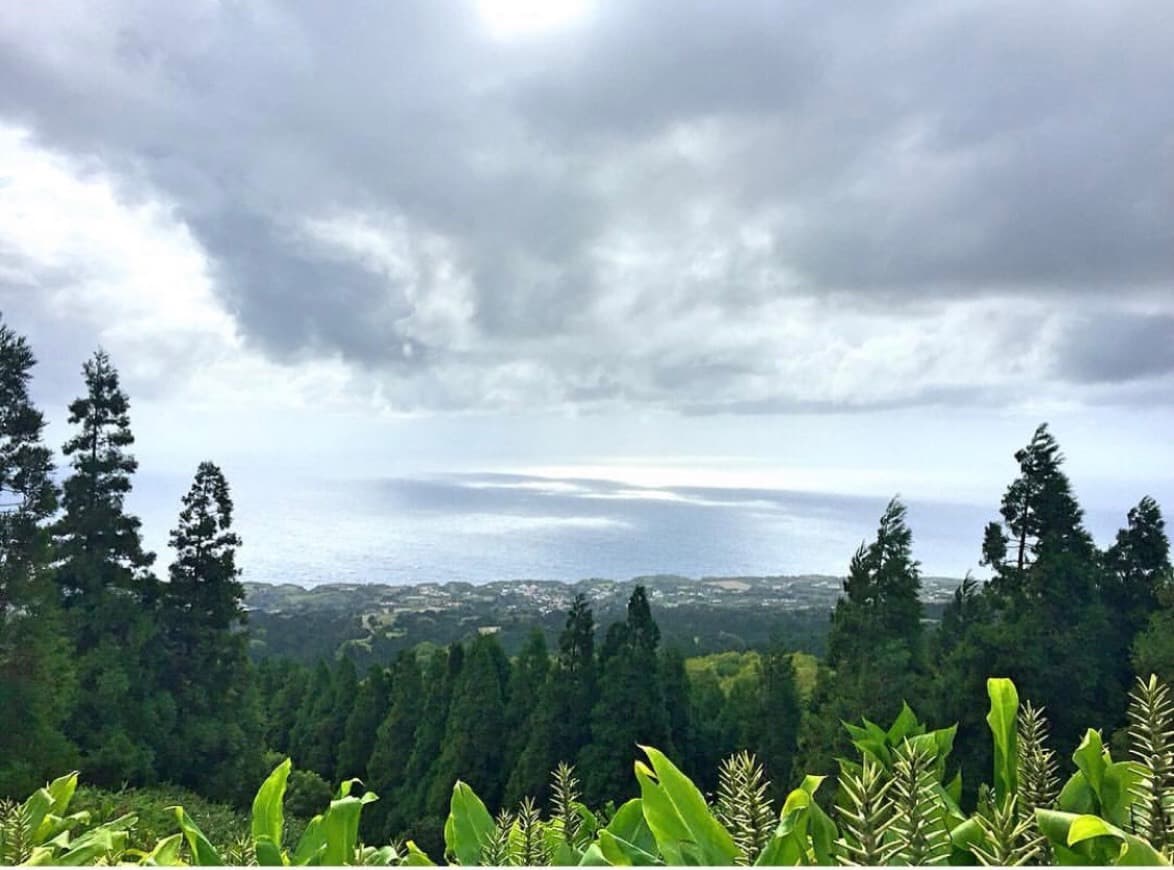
point(595, 189)
point(1118, 347)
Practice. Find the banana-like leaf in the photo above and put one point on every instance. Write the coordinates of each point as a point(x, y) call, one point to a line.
point(37, 808)
point(62, 790)
point(97, 843)
point(268, 821)
point(685, 830)
point(1002, 718)
point(165, 853)
point(341, 826)
point(203, 852)
point(628, 840)
point(469, 825)
point(1091, 840)
point(311, 844)
point(415, 856)
point(805, 834)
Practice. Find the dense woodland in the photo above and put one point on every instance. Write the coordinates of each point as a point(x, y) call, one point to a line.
point(134, 675)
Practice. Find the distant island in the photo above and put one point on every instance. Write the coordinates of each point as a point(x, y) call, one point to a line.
point(373, 622)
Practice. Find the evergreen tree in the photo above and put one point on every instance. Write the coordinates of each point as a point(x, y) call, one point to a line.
point(560, 726)
point(217, 735)
point(473, 749)
point(35, 668)
point(284, 696)
point(310, 739)
point(440, 679)
point(108, 591)
point(776, 725)
point(1041, 620)
point(527, 681)
point(876, 652)
point(371, 706)
point(631, 708)
point(393, 748)
point(1138, 565)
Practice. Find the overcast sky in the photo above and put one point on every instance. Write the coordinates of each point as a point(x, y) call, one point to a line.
point(854, 246)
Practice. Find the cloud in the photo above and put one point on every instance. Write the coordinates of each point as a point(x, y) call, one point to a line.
point(704, 207)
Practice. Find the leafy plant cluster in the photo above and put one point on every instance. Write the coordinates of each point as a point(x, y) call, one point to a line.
point(897, 803)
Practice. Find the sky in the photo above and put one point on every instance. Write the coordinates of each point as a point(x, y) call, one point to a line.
point(850, 247)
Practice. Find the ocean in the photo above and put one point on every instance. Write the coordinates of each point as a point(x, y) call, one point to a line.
point(480, 527)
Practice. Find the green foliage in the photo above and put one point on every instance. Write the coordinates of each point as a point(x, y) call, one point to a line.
point(37, 674)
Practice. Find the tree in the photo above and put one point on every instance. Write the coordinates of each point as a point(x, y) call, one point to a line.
point(876, 650)
point(473, 749)
point(527, 681)
point(776, 727)
point(1041, 619)
point(560, 726)
point(35, 669)
point(108, 591)
point(385, 772)
point(372, 702)
point(631, 708)
point(207, 667)
point(1138, 565)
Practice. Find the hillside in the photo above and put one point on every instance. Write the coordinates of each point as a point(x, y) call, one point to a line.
point(713, 614)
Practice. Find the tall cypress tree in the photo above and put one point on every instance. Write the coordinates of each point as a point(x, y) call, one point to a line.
point(372, 701)
point(35, 669)
point(108, 590)
point(217, 735)
point(395, 739)
point(876, 656)
point(631, 707)
point(1041, 619)
point(473, 748)
point(527, 681)
point(561, 725)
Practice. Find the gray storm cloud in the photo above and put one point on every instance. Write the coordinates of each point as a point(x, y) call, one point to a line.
point(710, 207)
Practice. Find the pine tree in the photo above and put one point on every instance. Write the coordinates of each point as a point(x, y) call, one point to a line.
point(309, 739)
point(1138, 566)
point(35, 669)
point(876, 651)
point(777, 722)
point(372, 702)
point(217, 735)
point(631, 708)
point(473, 748)
point(393, 747)
point(560, 726)
point(108, 591)
point(527, 681)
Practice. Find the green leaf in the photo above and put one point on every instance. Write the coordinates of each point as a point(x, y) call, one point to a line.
point(37, 808)
point(1002, 719)
point(1133, 851)
point(1077, 795)
point(165, 853)
point(416, 857)
point(678, 816)
point(628, 840)
point(269, 816)
point(62, 790)
point(93, 846)
point(1119, 790)
point(469, 825)
point(1090, 760)
point(905, 725)
point(805, 834)
point(311, 844)
point(203, 852)
point(340, 825)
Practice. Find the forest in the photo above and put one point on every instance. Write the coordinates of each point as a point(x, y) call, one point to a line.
point(140, 680)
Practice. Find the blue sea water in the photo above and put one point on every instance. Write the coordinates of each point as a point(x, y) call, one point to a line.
point(483, 527)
